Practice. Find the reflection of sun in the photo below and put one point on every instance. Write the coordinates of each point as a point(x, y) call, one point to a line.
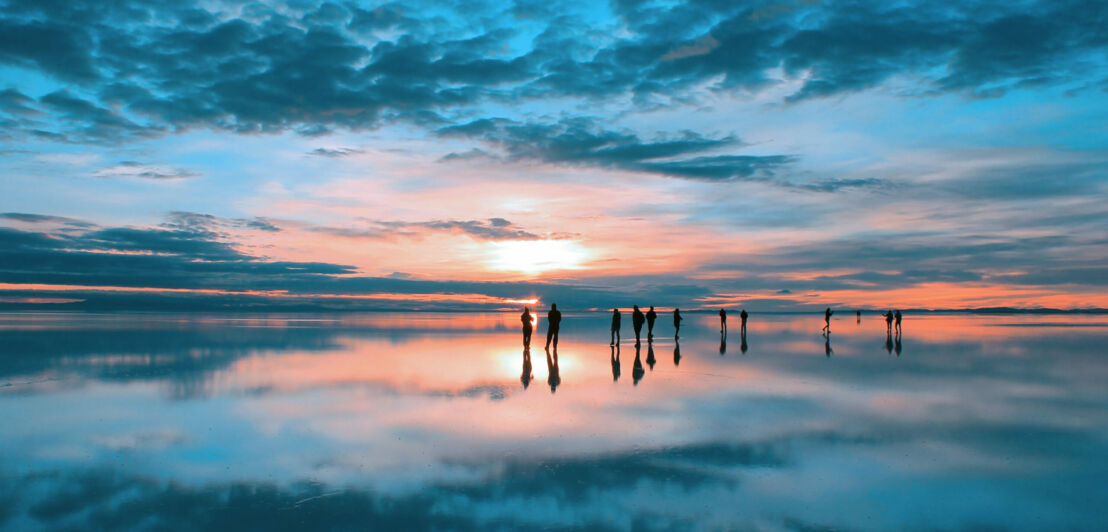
point(536, 256)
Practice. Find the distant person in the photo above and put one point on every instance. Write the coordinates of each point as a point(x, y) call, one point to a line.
point(526, 377)
point(827, 318)
point(528, 326)
point(722, 321)
point(554, 377)
point(553, 323)
point(650, 317)
point(676, 323)
point(636, 371)
point(742, 322)
point(650, 360)
point(616, 319)
point(615, 362)
point(637, 320)
point(858, 316)
point(898, 322)
point(888, 320)
point(676, 354)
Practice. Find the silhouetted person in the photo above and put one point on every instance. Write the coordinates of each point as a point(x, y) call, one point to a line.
point(553, 323)
point(742, 322)
point(650, 360)
point(827, 318)
point(637, 320)
point(858, 316)
point(722, 321)
point(827, 344)
point(616, 319)
point(897, 316)
point(615, 362)
point(677, 323)
point(528, 326)
point(650, 317)
point(889, 341)
point(637, 372)
point(888, 320)
point(676, 354)
point(553, 378)
point(526, 377)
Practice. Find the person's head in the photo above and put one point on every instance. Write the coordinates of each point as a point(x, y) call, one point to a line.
point(615, 310)
point(527, 309)
point(651, 307)
point(554, 306)
point(636, 307)
point(675, 309)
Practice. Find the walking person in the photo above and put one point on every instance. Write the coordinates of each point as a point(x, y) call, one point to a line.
point(676, 323)
point(553, 323)
point(637, 319)
point(827, 319)
point(650, 317)
point(616, 318)
point(528, 326)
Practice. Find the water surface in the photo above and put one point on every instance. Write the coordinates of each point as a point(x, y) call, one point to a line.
point(419, 421)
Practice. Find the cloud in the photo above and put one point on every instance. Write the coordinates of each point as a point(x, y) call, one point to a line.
point(150, 69)
point(335, 153)
point(490, 229)
point(135, 169)
point(580, 142)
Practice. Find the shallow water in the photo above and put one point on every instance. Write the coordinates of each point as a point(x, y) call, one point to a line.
point(419, 421)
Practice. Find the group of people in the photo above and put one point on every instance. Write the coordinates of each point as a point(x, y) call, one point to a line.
point(639, 318)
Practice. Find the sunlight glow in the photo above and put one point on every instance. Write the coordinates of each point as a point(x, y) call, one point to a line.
point(536, 256)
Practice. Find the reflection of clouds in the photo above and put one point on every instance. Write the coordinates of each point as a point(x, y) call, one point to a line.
point(434, 418)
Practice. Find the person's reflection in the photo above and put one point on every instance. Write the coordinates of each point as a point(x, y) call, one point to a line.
point(650, 360)
point(889, 341)
point(526, 376)
point(827, 345)
point(615, 363)
point(676, 353)
point(722, 343)
point(528, 327)
point(637, 372)
point(742, 342)
point(553, 378)
point(896, 346)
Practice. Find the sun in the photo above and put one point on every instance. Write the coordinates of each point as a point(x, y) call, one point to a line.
point(536, 256)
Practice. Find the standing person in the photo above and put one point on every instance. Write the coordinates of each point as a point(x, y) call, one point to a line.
point(636, 321)
point(827, 318)
point(898, 322)
point(528, 326)
point(742, 326)
point(676, 323)
point(650, 317)
point(858, 315)
point(616, 318)
point(722, 321)
point(888, 321)
point(553, 323)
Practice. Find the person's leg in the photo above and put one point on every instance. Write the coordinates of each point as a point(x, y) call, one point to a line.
point(549, 334)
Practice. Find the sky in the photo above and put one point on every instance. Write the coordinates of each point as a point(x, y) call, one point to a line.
point(769, 155)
